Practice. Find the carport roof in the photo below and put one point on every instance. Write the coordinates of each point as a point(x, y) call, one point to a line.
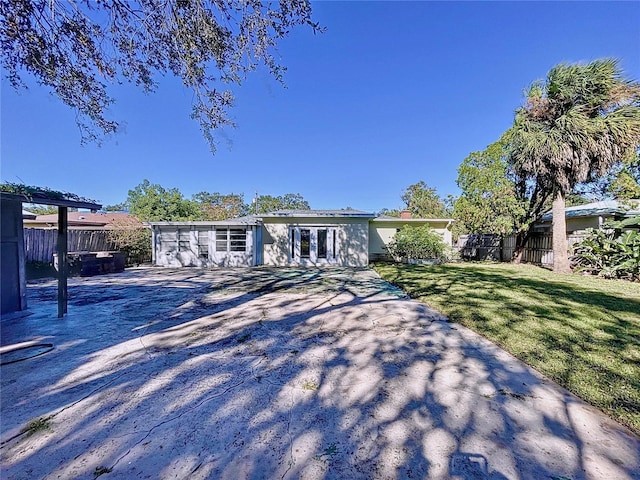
point(43, 199)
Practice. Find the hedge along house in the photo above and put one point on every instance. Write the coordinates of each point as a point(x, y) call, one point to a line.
point(348, 238)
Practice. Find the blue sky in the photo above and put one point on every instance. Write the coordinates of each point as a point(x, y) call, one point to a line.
point(391, 94)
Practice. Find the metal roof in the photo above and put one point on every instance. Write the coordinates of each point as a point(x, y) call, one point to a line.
point(603, 208)
point(238, 221)
point(346, 213)
point(386, 218)
point(45, 200)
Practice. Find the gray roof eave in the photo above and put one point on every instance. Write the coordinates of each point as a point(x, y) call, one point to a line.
point(230, 222)
point(319, 215)
point(411, 220)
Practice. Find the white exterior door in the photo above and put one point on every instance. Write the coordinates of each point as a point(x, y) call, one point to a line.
point(313, 245)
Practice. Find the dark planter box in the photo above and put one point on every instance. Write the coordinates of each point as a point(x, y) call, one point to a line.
point(88, 264)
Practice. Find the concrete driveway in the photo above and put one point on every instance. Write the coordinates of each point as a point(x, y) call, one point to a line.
point(280, 373)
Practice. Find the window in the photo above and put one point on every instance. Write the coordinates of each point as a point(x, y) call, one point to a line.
point(322, 244)
point(168, 240)
point(221, 240)
point(203, 243)
point(232, 240)
point(293, 244)
point(238, 238)
point(184, 240)
point(305, 243)
point(334, 245)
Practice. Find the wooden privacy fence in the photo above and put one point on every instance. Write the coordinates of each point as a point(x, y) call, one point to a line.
point(40, 244)
point(538, 249)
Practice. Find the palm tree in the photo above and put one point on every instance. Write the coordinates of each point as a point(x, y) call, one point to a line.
point(573, 128)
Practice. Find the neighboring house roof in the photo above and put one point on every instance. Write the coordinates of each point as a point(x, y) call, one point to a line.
point(605, 208)
point(347, 213)
point(27, 215)
point(87, 219)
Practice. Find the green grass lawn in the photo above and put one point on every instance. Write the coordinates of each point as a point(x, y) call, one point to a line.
point(583, 332)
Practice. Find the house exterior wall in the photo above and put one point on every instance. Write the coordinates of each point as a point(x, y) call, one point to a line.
point(195, 246)
point(351, 241)
point(582, 223)
point(14, 283)
point(382, 232)
point(576, 224)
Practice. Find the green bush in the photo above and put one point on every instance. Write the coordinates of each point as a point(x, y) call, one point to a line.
point(417, 243)
point(134, 241)
point(609, 253)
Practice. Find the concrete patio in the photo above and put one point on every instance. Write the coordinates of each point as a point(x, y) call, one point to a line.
point(280, 373)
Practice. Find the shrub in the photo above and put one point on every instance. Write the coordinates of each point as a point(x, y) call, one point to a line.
point(134, 240)
point(417, 243)
point(609, 253)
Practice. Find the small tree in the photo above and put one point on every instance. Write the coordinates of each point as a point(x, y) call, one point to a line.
point(417, 243)
point(218, 206)
point(153, 203)
point(490, 201)
point(133, 239)
point(423, 201)
point(289, 201)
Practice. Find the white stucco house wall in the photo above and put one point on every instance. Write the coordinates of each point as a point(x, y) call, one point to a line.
point(348, 238)
point(382, 229)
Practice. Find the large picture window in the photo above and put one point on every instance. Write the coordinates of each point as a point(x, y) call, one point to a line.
point(305, 243)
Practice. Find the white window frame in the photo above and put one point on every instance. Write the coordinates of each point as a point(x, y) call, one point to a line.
point(228, 239)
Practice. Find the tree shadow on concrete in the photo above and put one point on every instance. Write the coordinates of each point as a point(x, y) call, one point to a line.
point(288, 373)
point(571, 335)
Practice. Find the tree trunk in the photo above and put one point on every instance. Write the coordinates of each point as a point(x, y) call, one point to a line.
point(521, 242)
point(560, 245)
